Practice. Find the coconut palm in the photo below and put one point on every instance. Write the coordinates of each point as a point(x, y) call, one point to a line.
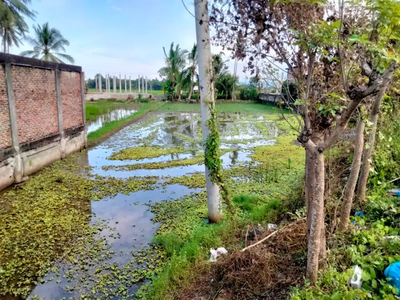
point(17, 8)
point(12, 28)
point(175, 60)
point(47, 44)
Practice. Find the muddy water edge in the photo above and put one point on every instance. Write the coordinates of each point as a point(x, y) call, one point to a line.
point(84, 226)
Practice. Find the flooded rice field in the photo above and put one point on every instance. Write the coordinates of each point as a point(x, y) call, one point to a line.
point(114, 115)
point(114, 255)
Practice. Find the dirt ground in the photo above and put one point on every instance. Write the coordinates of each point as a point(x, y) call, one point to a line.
point(266, 271)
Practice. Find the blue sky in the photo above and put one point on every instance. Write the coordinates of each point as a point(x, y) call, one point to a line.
point(119, 36)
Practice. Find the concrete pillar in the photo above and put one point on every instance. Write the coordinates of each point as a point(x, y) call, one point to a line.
point(115, 84)
point(120, 86)
point(63, 142)
point(100, 84)
point(83, 105)
point(143, 85)
point(18, 167)
point(96, 83)
point(125, 84)
point(146, 85)
point(130, 84)
point(139, 84)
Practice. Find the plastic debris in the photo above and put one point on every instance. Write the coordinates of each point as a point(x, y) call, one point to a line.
point(217, 253)
point(355, 280)
point(272, 226)
point(393, 273)
point(394, 193)
point(359, 214)
point(392, 238)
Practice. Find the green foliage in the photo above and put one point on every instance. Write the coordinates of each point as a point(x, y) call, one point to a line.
point(258, 208)
point(224, 85)
point(143, 152)
point(47, 44)
point(249, 93)
point(212, 154)
point(193, 181)
point(157, 165)
point(289, 92)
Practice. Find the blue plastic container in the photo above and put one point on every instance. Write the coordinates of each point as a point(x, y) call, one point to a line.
point(393, 272)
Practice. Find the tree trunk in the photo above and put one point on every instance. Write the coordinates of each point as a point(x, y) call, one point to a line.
point(309, 186)
point(206, 89)
point(5, 41)
point(315, 242)
point(191, 85)
point(180, 94)
point(352, 181)
point(369, 147)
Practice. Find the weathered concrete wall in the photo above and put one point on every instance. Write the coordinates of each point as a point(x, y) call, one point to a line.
point(42, 115)
point(5, 131)
point(120, 96)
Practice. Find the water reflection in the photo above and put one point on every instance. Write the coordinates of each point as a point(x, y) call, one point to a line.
point(128, 214)
point(114, 115)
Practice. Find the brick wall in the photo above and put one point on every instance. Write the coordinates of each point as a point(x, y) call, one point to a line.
point(35, 102)
point(5, 133)
point(70, 83)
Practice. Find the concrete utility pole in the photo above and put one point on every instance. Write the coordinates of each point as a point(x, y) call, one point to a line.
point(100, 84)
point(125, 84)
point(115, 84)
point(95, 82)
point(139, 84)
point(146, 84)
point(130, 84)
point(143, 85)
point(234, 83)
point(109, 84)
point(206, 95)
point(120, 86)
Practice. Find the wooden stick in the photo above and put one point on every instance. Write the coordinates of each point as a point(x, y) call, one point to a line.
point(259, 242)
point(272, 234)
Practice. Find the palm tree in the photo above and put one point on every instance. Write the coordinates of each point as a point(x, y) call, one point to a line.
point(219, 65)
point(18, 8)
point(176, 61)
point(12, 28)
point(47, 44)
point(192, 56)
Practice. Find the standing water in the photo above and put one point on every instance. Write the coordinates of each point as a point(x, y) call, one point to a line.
point(122, 224)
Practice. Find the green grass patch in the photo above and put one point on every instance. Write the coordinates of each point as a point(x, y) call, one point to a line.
point(193, 181)
point(224, 107)
point(157, 165)
point(123, 90)
point(143, 152)
point(95, 109)
point(109, 127)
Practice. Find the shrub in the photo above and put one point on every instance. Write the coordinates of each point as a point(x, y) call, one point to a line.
point(249, 93)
